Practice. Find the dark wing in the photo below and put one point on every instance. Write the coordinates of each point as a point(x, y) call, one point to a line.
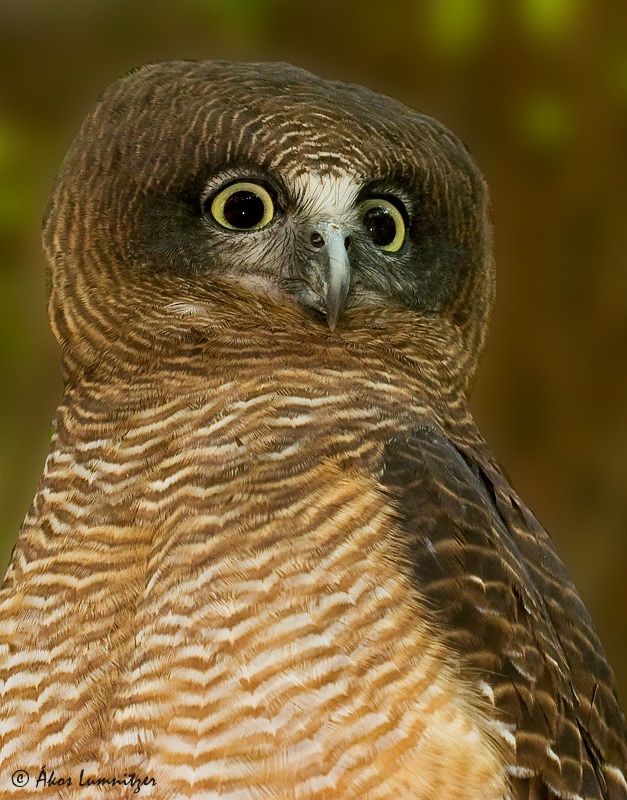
point(495, 583)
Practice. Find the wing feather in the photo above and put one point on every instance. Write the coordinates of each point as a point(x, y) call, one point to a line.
point(492, 578)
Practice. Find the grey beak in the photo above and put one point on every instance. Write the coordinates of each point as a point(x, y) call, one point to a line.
point(333, 241)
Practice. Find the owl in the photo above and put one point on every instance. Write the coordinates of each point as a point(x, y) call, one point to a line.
point(270, 555)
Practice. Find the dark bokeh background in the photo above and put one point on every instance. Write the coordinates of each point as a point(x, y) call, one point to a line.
point(537, 89)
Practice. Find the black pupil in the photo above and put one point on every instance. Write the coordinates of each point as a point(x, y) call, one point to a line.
point(380, 225)
point(244, 209)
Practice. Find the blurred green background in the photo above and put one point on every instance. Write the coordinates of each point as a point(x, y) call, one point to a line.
point(536, 88)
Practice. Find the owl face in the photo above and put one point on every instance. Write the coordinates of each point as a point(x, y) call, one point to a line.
point(324, 241)
point(300, 243)
point(316, 194)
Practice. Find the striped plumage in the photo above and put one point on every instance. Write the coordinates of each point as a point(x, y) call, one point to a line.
point(268, 559)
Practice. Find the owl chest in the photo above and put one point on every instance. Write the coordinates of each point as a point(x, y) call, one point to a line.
point(281, 615)
point(243, 629)
point(286, 653)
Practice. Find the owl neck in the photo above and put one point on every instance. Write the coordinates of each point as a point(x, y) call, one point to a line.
point(171, 327)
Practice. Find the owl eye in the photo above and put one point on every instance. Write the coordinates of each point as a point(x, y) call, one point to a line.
point(242, 206)
point(385, 224)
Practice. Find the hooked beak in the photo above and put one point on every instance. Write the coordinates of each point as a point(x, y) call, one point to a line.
point(332, 241)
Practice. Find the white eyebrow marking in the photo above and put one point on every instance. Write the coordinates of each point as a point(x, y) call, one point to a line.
point(327, 196)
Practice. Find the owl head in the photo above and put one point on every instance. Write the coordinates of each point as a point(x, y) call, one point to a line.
point(259, 194)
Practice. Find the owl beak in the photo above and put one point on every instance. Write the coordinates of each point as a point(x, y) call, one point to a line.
point(332, 241)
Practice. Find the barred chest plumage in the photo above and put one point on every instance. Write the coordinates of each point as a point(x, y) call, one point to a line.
point(221, 610)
